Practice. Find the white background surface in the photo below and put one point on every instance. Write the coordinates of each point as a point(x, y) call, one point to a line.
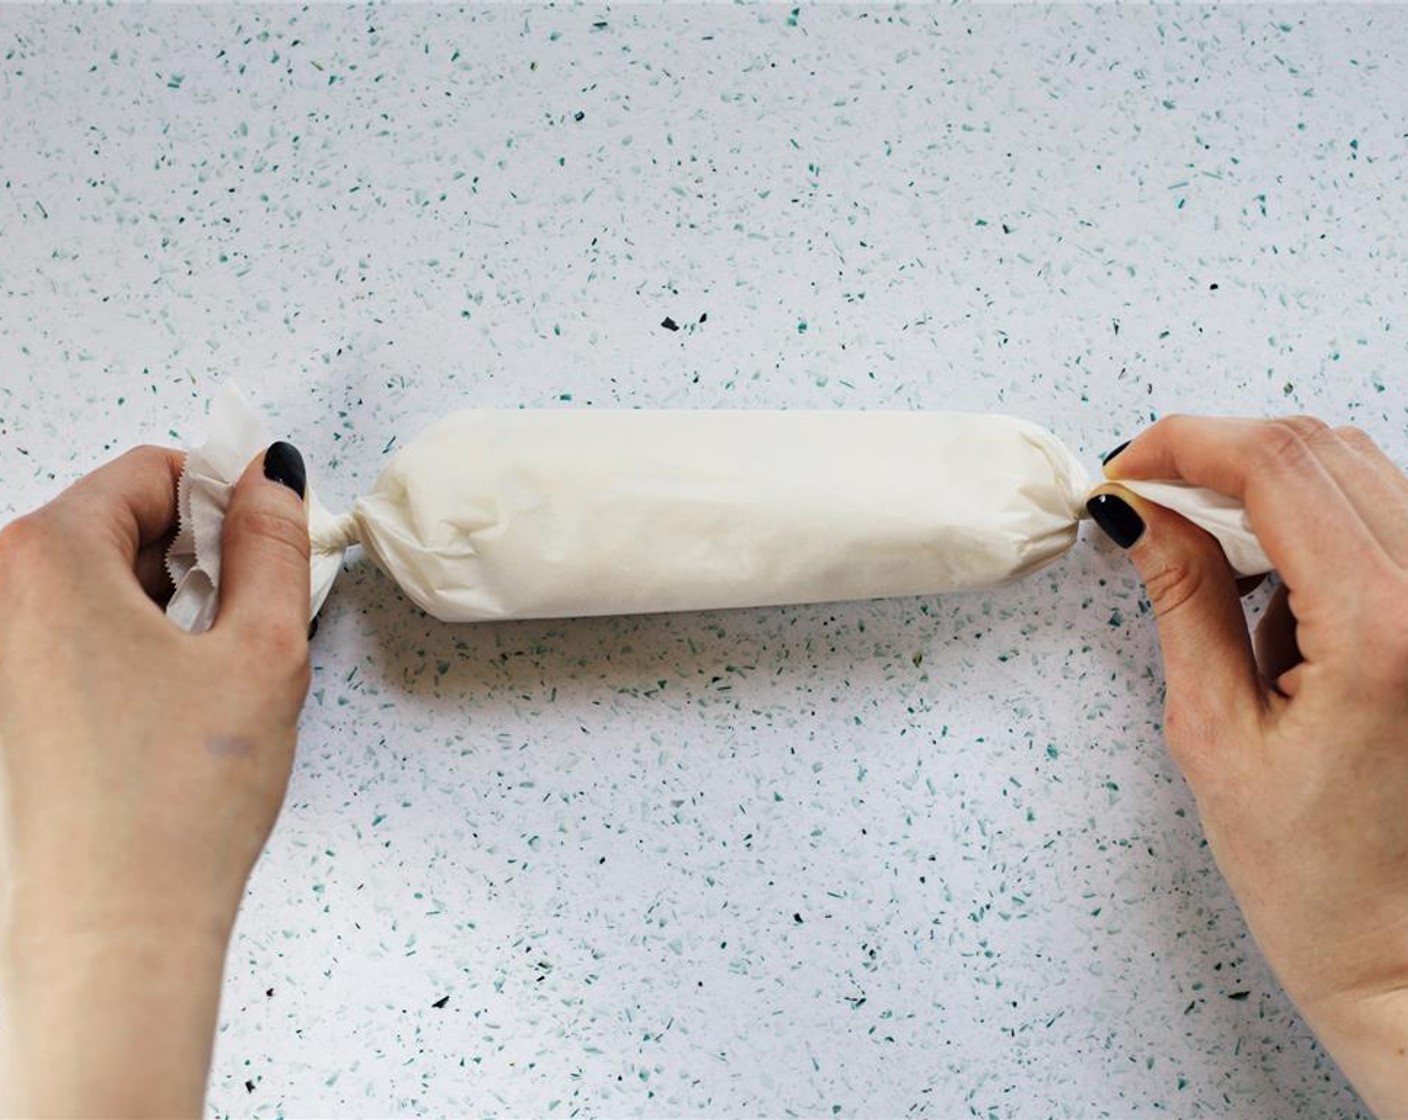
point(912, 857)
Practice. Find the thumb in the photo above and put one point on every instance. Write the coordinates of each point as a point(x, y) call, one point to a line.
point(1213, 689)
point(264, 570)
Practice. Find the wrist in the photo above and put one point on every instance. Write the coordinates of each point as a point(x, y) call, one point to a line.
point(44, 910)
point(116, 1021)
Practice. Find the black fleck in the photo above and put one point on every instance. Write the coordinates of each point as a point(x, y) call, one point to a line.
point(1238, 995)
point(579, 115)
point(669, 324)
point(249, 1086)
point(441, 1002)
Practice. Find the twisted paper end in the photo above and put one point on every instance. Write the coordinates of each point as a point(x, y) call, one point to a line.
point(335, 535)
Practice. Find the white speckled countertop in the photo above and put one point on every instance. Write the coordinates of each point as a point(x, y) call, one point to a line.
point(878, 859)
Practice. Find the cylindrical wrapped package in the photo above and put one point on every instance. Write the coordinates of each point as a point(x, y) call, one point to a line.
point(501, 514)
point(519, 514)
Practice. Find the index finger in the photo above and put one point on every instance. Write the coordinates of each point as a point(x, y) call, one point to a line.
point(130, 500)
point(1308, 527)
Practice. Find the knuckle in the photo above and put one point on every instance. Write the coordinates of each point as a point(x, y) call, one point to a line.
point(1281, 443)
point(272, 530)
point(1192, 740)
point(1307, 427)
point(145, 458)
point(1356, 438)
point(21, 535)
point(143, 451)
point(1173, 585)
point(270, 674)
point(34, 565)
point(1212, 747)
point(280, 648)
point(25, 547)
point(1170, 427)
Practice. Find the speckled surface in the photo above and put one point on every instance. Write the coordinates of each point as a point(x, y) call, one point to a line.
point(913, 857)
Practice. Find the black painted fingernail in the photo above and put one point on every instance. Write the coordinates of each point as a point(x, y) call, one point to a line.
point(312, 628)
point(1111, 454)
point(284, 464)
point(1117, 518)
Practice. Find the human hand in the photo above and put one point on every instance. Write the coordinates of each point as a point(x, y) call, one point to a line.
point(1296, 748)
point(143, 768)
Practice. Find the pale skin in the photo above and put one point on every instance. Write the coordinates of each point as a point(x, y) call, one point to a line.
point(1295, 743)
point(142, 768)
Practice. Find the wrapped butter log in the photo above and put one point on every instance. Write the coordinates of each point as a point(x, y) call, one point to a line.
point(504, 514)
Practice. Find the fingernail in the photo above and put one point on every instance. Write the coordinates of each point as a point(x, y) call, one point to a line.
point(1117, 518)
point(1111, 454)
point(284, 464)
